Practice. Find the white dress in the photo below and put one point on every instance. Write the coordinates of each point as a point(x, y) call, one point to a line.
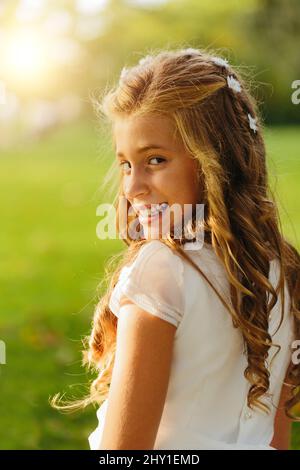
point(206, 402)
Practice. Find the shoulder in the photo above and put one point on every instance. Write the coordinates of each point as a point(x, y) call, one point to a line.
point(152, 247)
point(154, 281)
point(156, 257)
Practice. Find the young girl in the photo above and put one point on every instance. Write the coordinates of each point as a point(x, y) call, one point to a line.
point(193, 342)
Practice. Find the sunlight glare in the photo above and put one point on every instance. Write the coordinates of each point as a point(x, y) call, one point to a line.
point(25, 55)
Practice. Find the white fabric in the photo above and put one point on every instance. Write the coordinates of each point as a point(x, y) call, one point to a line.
point(206, 402)
point(154, 281)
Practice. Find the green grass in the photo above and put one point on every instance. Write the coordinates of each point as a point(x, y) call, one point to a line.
point(50, 265)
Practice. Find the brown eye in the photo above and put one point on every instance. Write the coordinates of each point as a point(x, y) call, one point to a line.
point(158, 158)
point(121, 165)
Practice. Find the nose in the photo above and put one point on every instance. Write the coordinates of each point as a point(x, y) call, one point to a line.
point(135, 185)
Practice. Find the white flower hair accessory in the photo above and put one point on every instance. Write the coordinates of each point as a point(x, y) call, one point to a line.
point(234, 84)
point(220, 61)
point(124, 71)
point(145, 59)
point(190, 50)
point(252, 123)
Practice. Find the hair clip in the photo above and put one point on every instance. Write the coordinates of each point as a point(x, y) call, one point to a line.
point(234, 84)
point(220, 61)
point(252, 123)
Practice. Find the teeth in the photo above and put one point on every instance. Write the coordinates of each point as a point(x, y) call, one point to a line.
point(154, 209)
point(164, 205)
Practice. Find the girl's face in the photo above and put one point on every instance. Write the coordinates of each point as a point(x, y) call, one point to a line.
point(156, 168)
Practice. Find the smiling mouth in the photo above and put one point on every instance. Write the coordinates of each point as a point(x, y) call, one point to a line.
point(150, 213)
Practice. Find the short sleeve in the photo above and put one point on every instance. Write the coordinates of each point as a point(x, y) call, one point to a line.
point(154, 282)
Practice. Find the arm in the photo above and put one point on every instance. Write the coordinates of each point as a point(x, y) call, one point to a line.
point(282, 425)
point(140, 379)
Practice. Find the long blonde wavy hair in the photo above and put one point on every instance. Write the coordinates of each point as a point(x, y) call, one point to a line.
point(241, 217)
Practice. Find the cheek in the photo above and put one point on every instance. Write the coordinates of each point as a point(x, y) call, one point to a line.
point(190, 181)
point(183, 184)
point(178, 183)
point(169, 183)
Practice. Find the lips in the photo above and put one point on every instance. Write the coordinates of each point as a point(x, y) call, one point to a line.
point(146, 210)
point(147, 216)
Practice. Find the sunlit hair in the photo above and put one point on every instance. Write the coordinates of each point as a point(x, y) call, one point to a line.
point(241, 217)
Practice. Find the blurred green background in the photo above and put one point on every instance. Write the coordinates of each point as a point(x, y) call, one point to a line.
point(53, 159)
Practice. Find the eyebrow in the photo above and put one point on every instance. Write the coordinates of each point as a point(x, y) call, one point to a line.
point(143, 149)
